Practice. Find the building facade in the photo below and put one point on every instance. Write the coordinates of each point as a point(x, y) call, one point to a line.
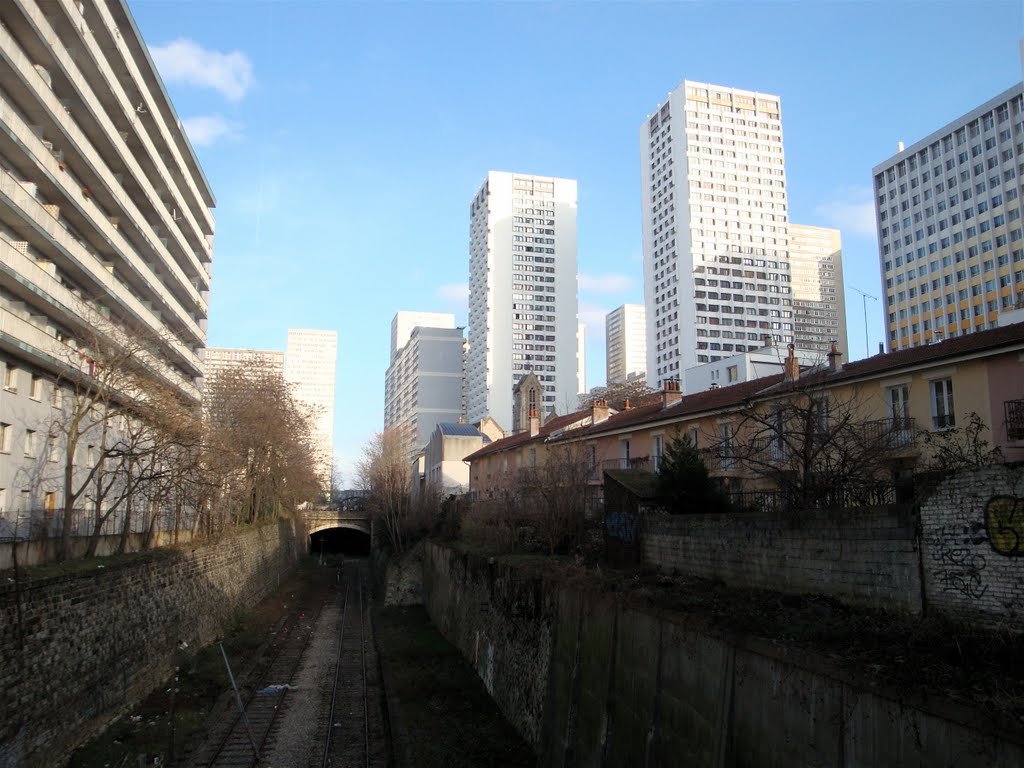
point(106, 230)
point(819, 303)
point(423, 385)
point(948, 212)
point(625, 338)
point(310, 360)
point(715, 214)
point(522, 293)
point(218, 359)
point(404, 321)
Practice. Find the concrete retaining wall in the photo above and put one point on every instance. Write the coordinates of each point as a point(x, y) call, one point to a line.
point(79, 649)
point(866, 556)
point(590, 682)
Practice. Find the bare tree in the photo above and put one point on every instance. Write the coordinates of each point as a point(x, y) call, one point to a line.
point(554, 495)
point(815, 446)
point(959, 448)
point(259, 448)
point(104, 377)
point(385, 473)
point(616, 395)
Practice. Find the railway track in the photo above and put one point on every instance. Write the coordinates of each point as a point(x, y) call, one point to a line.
point(335, 718)
point(347, 739)
point(240, 744)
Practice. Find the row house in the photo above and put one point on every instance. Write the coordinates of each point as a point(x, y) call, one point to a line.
point(891, 398)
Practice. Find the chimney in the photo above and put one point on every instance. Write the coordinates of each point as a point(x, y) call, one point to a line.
point(792, 369)
point(534, 423)
point(600, 411)
point(713, 386)
point(670, 394)
point(881, 348)
point(767, 340)
point(628, 405)
point(833, 358)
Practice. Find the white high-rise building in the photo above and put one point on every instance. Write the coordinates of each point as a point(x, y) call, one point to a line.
point(404, 321)
point(625, 338)
point(310, 360)
point(424, 382)
point(819, 305)
point(948, 212)
point(522, 293)
point(219, 359)
point(106, 232)
point(581, 358)
point(716, 267)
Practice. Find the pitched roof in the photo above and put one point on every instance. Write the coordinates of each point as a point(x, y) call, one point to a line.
point(738, 394)
point(971, 343)
point(458, 430)
point(521, 438)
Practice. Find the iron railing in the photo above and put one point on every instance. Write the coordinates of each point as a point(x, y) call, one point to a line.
point(38, 524)
point(876, 495)
point(895, 432)
point(1014, 412)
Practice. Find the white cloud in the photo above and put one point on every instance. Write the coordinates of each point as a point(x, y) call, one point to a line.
point(203, 130)
point(592, 316)
point(454, 292)
point(185, 61)
point(611, 282)
point(852, 211)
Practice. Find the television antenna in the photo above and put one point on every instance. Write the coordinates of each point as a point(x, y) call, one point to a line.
point(864, 299)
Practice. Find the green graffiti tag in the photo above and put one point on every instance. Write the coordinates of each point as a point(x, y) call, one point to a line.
point(1004, 522)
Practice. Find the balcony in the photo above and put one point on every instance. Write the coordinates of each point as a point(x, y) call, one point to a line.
point(642, 463)
point(895, 432)
point(1014, 412)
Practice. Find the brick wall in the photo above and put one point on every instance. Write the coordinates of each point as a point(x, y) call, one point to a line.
point(972, 551)
point(867, 557)
point(79, 649)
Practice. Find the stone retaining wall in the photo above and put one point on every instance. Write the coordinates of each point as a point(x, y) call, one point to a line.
point(79, 649)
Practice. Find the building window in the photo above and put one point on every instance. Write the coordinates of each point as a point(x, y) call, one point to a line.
point(11, 379)
point(36, 392)
point(5, 438)
point(733, 373)
point(30, 442)
point(942, 404)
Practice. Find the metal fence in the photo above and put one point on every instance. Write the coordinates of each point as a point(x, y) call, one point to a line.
point(832, 498)
point(39, 524)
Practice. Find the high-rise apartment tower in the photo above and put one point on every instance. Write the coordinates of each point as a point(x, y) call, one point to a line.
point(310, 359)
point(714, 207)
point(819, 305)
point(106, 230)
point(625, 338)
point(424, 382)
point(522, 293)
point(948, 211)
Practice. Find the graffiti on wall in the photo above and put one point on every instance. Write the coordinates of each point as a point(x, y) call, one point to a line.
point(1004, 523)
point(960, 568)
point(622, 526)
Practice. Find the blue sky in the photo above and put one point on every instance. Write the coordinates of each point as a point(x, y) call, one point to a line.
point(344, 141)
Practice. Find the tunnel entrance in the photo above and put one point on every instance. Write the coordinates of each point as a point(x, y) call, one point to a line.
point(340, 541)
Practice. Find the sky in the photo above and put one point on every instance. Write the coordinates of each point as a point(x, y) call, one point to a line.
point(344, 141)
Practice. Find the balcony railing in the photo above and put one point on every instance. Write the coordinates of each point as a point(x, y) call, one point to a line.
point(1014, 411)
point(633, 462)
point(896, 432)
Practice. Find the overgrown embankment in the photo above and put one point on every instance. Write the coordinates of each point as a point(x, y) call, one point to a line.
point(83, 644)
